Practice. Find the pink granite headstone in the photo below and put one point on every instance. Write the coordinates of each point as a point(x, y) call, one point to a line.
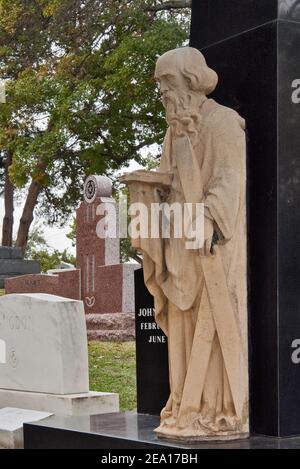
point(65, 283)
point(104, 280)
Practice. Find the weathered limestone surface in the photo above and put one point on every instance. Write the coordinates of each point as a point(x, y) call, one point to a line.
point(201, 292)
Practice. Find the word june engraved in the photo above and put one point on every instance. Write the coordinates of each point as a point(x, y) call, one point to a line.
point(296, 353)
point(149, 324)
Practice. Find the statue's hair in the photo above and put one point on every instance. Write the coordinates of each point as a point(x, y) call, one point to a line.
point(192, 64)
point(201, 78)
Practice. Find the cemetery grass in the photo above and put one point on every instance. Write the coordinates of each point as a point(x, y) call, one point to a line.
point(112, 369)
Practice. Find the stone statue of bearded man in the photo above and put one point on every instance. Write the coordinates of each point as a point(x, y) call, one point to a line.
point(201, 294)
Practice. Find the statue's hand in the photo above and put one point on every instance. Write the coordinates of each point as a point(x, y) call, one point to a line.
point(208, 237)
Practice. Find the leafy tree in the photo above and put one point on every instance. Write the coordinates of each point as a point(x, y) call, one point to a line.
point(81, 98)
point(72, 233)
point(39, 250)
point(50, 259)
point(36, 240)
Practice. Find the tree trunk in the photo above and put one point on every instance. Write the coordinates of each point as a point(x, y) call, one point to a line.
point(8, 219)
point(27, 215)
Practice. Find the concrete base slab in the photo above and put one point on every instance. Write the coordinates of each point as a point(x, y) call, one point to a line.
point(70, 404)
point(11, 425)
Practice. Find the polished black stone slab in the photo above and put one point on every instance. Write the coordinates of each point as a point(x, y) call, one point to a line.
point(248, 83)
point(216, 20)
point(288, 209)
point(151, 353)
point(125, 431)
point(259, 72)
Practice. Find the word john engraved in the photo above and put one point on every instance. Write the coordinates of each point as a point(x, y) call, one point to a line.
point(146, 312)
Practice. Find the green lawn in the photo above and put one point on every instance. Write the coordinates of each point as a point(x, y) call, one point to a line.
point(112, 369)
point(2, 292)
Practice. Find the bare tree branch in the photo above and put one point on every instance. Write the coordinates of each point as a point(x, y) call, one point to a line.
point(171, 5)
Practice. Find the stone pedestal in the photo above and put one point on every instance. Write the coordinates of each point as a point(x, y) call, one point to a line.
point(130, 431)
point(254, 45)
point(69, 404)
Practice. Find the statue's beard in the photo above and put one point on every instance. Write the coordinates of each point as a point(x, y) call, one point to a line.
point(182, 113)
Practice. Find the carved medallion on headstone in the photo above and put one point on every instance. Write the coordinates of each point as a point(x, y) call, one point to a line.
point(97, 186)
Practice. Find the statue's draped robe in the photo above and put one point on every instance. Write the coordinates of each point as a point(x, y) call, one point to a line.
point(174, 275)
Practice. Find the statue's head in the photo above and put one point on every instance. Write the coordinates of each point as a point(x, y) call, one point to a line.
point(183, 70)
point(185, 80)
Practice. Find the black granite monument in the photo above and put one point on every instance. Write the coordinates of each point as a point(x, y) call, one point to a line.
point(254, 45)
point(151, 353)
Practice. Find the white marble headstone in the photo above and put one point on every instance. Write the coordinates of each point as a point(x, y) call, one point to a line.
point(43, 344)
